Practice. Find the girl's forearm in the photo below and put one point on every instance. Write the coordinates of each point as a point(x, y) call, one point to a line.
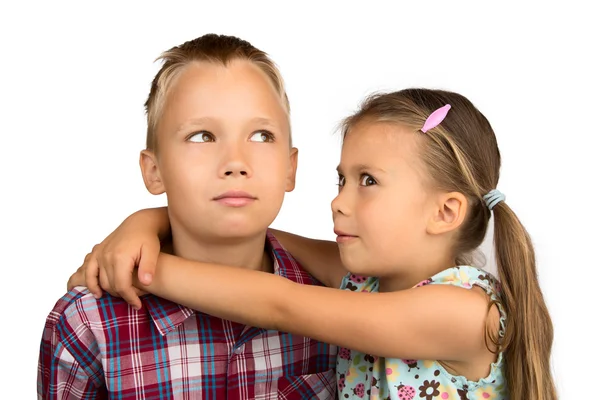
point(446, 321)
point(236, 294)
point(321, 258)
point(153, 220)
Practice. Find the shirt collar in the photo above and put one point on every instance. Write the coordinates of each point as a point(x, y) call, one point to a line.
point(167, 315)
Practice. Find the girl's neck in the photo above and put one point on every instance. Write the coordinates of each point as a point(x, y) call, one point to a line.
point(411, 275)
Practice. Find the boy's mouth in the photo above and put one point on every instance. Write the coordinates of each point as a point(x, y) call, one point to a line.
point(235, 198)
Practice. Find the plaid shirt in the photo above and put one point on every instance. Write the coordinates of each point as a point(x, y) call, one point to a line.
point(105, 349)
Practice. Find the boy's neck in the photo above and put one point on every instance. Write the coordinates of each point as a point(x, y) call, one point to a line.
point(247, 253)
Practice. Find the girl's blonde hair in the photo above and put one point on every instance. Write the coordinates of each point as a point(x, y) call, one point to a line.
point(461, 154)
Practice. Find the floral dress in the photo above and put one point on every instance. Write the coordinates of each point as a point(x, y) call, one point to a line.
point(364, 376)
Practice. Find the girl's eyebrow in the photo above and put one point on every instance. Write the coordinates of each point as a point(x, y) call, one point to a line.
point(357, 168)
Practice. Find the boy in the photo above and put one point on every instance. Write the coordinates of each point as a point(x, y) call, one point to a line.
point(219, 145)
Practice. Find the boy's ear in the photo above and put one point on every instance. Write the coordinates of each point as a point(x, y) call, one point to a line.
point(291, 174)
point(449, 213)
point(151, 172)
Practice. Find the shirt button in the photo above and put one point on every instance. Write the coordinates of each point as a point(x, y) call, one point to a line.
point(240, 349)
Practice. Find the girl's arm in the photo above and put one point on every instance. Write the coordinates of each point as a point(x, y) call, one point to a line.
point(435, 322)
point(135, 243)
point(321, 258)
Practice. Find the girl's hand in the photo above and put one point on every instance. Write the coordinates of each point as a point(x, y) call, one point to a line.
point(110, 265)
point(93, 276)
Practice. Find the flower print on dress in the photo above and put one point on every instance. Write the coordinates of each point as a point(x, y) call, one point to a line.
point(448, 393)
point(486, 392)
point(429, 390)
point(463, 393)
point(362, 376)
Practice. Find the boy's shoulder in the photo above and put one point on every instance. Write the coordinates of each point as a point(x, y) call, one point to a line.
point(79, 307)
point(286, 265)
point(79, 310)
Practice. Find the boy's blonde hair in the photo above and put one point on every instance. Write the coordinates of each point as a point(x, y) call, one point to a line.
point(214, 48)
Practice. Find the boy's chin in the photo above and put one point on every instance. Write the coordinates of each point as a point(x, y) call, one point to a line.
point(239, 231)
point(245, 225)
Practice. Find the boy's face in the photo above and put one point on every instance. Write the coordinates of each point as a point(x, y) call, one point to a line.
point(224, 157)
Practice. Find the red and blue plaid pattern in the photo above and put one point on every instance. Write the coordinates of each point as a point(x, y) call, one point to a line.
point(105, 349)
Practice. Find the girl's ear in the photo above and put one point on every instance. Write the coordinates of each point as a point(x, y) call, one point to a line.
point(449, 213)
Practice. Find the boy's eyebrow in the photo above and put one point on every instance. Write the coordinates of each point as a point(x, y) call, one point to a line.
point(192, 122)
point(205, 120)
point(359, 168)
point(264, 121)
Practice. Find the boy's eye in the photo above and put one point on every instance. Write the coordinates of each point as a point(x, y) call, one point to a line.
point(262, 136)
point(202, 137)
point(367, 180)
point(341, 180)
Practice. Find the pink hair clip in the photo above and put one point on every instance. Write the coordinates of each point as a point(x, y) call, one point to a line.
point(435, 118)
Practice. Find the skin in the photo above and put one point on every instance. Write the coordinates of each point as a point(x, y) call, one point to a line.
point(221, 129)
point(393, 224)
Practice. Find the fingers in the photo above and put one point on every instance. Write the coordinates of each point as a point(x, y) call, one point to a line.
point(91, 268)
point(77, 279)
point(104, 282)
point(123, 284)
point(119, 266)
point(139, 292)
point(147, 266)
point(111, 264)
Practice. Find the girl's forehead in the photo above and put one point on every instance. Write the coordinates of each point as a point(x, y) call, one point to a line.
point(380, 141)
point(380, 131)
point(389, 151)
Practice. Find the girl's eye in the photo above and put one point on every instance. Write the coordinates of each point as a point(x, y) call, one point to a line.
point(262, 136)
point(341, 181)
point(367, 180)
point(202, 137)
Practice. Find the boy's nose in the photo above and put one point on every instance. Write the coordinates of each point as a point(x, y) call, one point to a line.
point(235, 164)
point(235, 168)
point(232, 172)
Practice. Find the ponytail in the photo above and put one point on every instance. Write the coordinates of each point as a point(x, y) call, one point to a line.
point(529, 333)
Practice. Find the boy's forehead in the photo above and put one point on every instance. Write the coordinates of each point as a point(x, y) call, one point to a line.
point(209, 91)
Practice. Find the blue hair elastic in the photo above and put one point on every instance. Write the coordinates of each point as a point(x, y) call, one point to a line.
point(493, 197)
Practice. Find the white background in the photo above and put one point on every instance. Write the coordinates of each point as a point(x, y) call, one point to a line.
point(74, 78)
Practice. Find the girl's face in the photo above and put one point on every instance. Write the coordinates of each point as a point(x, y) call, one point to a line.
point(384, 203)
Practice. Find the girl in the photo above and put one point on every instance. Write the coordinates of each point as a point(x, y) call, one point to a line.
point(417, 179)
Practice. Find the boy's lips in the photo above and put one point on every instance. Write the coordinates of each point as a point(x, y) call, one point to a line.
point(235, 198)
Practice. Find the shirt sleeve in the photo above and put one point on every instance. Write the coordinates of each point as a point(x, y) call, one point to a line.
point(69, 365)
